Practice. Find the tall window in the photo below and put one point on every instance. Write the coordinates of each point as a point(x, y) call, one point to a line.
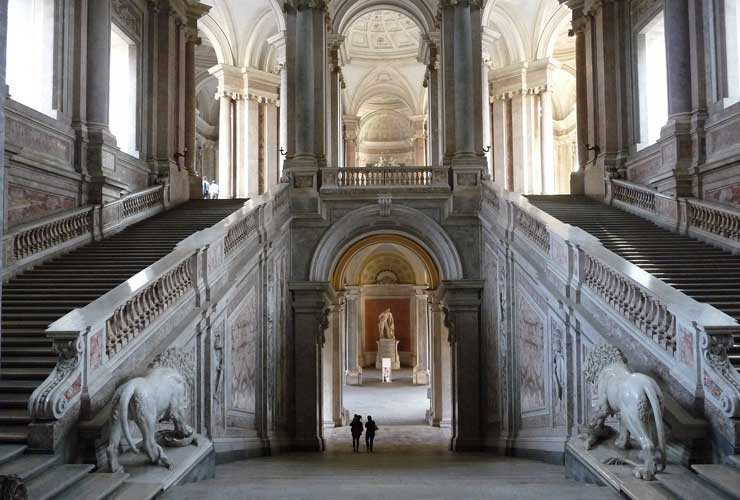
point(123, 91)
point(652, 80)
point(30, 56)
point(732, 47)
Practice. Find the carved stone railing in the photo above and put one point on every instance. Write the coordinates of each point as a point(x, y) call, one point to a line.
point(715, 223)
point(633, 195)
point(30, 244)
point(384, 177)
point(689, 338)
point(103, 342)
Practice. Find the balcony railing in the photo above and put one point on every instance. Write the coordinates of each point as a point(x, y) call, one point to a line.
point(384, 178)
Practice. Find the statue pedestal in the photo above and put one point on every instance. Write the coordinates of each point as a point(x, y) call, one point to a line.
point(388, 348)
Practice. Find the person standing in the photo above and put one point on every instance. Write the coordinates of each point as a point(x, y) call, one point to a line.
point(356, 429)
point(213, 189)
point(206, 185)
point(370, 428)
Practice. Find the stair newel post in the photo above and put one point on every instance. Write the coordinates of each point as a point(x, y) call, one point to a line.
point(197, 273)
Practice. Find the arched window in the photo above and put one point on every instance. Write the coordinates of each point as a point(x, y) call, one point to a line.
point(123, 86)
point(30, 56)
point(652, 81)
point(732, 50)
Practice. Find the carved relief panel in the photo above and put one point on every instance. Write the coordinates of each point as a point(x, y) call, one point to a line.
point(243, 337)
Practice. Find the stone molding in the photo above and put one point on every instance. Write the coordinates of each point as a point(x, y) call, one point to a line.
point(294, 5)
point(443, 4)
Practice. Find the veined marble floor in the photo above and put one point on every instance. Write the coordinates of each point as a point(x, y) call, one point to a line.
point(410, 462)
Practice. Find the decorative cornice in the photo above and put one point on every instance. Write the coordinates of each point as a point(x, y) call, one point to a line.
point(294, 5)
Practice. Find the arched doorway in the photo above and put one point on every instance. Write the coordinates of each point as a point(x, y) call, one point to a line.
point(429, 259)
point(387, 280)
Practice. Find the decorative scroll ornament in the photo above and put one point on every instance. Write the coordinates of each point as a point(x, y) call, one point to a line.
point(714, 349)
point(293, 5)
point(323, 326)
point(63, 386)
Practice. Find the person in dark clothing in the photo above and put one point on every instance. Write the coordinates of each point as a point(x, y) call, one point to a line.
point(370, 428)
point(356, 428)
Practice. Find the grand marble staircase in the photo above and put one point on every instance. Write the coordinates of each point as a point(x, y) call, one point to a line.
point(701, 271)
point(36, 298)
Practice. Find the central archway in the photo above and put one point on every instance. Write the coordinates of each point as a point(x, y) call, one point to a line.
point(376, 258)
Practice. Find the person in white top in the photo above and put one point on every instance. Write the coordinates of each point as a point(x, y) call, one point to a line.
point(213, 190)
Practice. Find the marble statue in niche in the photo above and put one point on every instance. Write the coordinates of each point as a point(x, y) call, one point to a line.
point(244, 355)
point(386, 328)
point(558, 372)
point(530, 333)
point(637, 399)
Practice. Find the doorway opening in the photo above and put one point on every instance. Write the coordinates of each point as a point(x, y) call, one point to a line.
point(387, 354)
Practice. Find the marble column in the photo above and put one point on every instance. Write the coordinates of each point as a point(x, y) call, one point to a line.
point(337, 325)
point(98, 97)
point(225, 170)
point(501, 119)
point(550, 182)
point(579, 27)
point(434, 142)
point(98, 57)
point(461, 39)
point(461, 300)
point(247, 147)
point(420, 140)
point(272, 148)
point(192, 40)
point(306, 57)
point(421, 375)
point(486, 104)
point(351, 131)
point(527, 176)
point(309, 303)
point(440, 414)
point(678, 57)
point(353, 374)
point(283, 115)
point(334, 116)
point(328, 367)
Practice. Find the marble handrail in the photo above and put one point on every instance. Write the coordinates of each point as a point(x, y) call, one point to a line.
point(94, 340)
point(657, 312)
point(29, 244)
point(384, 177)
point(715, 223)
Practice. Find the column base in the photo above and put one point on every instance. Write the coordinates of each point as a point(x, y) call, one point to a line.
point(577, 181)
point(421, 377)
point(466, 444)
point(315, 443)
point(352, 377)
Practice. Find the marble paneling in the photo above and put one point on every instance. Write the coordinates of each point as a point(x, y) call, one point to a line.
point(726, 194)
point(243, 359)
point(530, 335)
point(26, 204)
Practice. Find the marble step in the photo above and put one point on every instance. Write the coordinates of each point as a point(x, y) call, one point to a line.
point(27, 361)
point(28, 466)
point(10, 452)
point(13, 434)
point(14, 416)
point(725, 478)
point(14, 400)
point(688, 487)
point(97, 486)
point(135, 491)
point(17, 386)
point(56, 479)
point(24, 373)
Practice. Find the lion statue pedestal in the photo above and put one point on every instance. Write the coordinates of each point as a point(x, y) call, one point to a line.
point(638, 401)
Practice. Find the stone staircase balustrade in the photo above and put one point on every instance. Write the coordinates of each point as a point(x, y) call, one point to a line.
point(384, 177)
point(30, 244)
point(96, 340)
point(658, 316)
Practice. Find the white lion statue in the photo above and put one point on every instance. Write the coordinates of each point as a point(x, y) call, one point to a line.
point(162, 394)
point(636, 398)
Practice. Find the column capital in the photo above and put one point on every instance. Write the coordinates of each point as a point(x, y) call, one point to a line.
point(230, 80)
point(294, 5)
point(459, 295)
